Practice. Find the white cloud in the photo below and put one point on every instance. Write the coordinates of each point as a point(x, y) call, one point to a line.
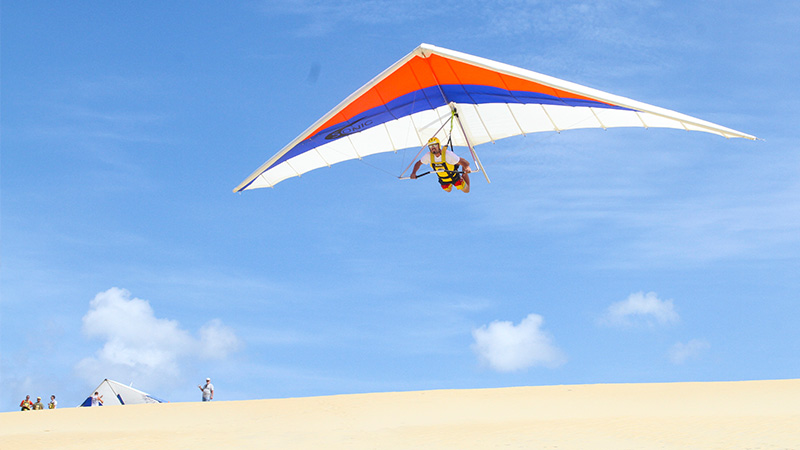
point(640, 309)
point(506, 348)
point(217, 340)
point(139, 346)
point(680, 352)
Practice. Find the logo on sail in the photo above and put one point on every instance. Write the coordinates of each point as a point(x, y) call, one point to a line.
point(350, 128)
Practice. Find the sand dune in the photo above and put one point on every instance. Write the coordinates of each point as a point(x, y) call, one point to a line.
point(731, 415)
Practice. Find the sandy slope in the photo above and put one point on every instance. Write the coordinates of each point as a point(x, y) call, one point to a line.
point(735, 415)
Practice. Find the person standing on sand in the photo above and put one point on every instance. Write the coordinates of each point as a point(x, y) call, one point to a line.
point(208, 390)
point(38, 405)
point(97, 399)
point(26, 404)
point(53, 403)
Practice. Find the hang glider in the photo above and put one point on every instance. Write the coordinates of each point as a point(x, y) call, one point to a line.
point(114, 393)
point(419, 95)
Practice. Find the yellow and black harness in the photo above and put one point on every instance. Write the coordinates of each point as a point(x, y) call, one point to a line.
point(448, 173)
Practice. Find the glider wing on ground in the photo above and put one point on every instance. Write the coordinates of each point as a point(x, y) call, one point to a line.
point(115, 393)
point(411, 100)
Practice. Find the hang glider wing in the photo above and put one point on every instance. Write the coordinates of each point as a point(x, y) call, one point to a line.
point(114, 393)
point(407, 103)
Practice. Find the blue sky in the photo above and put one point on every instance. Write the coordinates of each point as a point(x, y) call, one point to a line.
point(626, 255)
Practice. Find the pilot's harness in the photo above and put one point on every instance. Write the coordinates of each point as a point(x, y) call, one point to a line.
point(448, 173)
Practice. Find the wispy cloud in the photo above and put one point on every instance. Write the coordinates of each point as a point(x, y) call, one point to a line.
point(318, 18)
point(680, 352)
point(589, 21)
point(670, 208)
point(506, 347)
point(139, 346)
point(582, 19)
point(640, 309)
point(81, 111)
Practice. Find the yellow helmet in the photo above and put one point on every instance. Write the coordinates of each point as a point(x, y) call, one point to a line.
point(433, 140)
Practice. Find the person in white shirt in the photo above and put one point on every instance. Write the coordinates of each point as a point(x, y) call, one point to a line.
point(445, 164)
point(208, 390)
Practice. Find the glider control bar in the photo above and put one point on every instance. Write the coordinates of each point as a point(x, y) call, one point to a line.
point(437, 171)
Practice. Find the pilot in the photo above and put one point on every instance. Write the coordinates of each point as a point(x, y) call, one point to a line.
point(446, 164)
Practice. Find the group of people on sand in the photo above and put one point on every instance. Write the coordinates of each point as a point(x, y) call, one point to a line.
point(97, 399)
point(28, 405)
